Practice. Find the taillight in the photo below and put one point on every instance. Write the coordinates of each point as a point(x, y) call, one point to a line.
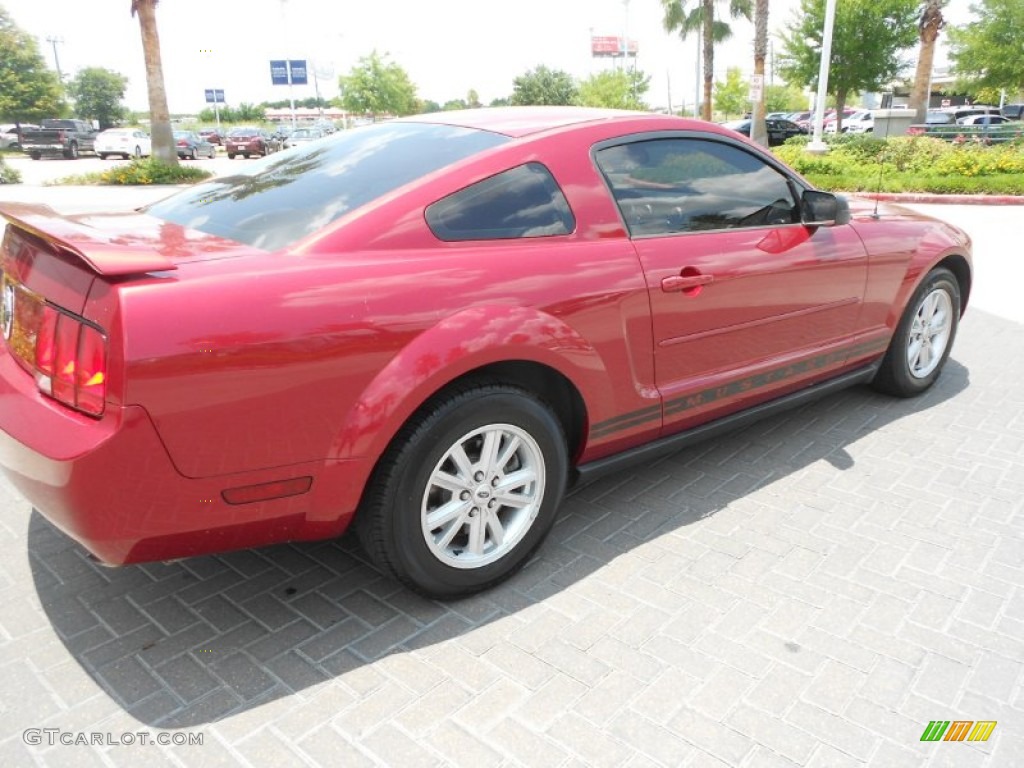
point(182, 143)
point(67, 355)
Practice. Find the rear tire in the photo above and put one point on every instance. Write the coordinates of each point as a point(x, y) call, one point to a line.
point(104, 155)
point(35, 155)
point(71, 153)
point(924, 337)
point(466, 492)
point(231, 155)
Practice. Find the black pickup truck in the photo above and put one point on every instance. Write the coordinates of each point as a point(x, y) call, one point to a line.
point(59, 137)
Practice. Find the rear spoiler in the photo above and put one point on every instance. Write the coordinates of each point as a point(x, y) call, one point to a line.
point(104, 257)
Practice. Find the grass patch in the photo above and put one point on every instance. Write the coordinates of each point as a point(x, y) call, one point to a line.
point(148, 171)
point(8, 175)
point(910, 164)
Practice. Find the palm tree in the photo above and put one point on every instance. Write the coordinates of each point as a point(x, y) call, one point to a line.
point(686, 19)
point(929, 25)
point(159, 116)
point(758, 129)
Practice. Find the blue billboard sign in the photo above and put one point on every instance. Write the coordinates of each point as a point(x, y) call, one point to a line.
point(214, 96)
point(293, 71)
point(279, 72)
point(298, 70)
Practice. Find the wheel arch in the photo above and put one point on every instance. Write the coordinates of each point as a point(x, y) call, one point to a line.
point(961, 270)
point(520, 346)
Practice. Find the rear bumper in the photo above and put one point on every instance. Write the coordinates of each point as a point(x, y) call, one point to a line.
point(111, 486)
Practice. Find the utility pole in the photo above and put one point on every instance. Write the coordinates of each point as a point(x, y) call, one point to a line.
point(54, 40)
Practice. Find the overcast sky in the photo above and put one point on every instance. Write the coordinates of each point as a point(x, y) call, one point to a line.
point(446, 46)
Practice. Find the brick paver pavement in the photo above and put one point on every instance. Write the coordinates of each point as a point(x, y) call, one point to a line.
point(810, 591)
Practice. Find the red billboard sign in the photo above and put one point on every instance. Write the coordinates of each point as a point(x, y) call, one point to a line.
point(611, 45)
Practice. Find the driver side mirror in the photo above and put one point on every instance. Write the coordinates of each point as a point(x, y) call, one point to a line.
point(823, 208)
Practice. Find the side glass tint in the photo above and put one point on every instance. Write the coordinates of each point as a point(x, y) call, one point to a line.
point(669, 186)
point(524, 201)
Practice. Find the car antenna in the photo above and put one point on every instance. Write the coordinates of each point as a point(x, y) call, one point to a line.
point(878, 190)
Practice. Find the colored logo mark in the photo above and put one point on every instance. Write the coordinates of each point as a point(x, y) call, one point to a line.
point(958, 730)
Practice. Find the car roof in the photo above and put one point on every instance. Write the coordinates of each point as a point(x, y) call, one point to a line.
point(517, 122)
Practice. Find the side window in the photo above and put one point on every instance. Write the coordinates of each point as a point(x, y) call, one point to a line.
point(524, 201)
point(669, 186)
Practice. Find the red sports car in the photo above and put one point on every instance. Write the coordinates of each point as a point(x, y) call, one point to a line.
point(432, 327)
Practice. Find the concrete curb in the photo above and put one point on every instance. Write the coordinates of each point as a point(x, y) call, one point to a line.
point(926, 198)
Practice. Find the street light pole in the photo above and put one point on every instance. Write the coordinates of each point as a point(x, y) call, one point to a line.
point(53, 40)
point(816, 145)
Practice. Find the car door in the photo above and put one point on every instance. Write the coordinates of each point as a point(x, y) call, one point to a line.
point(746, 301)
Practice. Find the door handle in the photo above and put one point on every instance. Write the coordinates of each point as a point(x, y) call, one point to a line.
point(685, 282)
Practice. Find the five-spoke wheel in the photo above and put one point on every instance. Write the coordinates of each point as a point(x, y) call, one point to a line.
point(923, 338)
point(466, 491)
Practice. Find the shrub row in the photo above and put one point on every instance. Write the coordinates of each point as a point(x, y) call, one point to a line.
point(146, 171)
point(910, 164)
point(8, 175)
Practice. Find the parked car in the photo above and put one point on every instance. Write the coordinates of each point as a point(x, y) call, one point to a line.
point(126, 142)
point(778, 130)
point(431, 327)
point(67, 138)
point(247, 142)
point(952, 115)
point(191, 145)
point(211, 135)
point(302, 136)
point(983, 120)
point(803, 119)
point(9, 134)
point(1013, 111)
point(862, 121)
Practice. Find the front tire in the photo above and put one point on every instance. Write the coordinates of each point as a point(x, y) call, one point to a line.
point(72, 151)
point(466, 492)
point(924, 337)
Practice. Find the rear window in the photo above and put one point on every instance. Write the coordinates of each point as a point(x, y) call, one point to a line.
point(287, 196)
point(521, 202)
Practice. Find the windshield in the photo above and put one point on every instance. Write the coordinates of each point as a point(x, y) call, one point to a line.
point(244, 132)
point(282, 198)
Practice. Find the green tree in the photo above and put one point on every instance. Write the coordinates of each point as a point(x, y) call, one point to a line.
point(377, 86)
point(501, 101)
point(868, 37)
point(164, 148)
point(453, 104)
point(97, 93)
point(473, 99)
point(784, 98)
point(986, 53)
point(615, 89)
point(29, 91)
point(250, 113)
point(731, 96)
point(690, 16)
point(544, 86)
point(428, 105)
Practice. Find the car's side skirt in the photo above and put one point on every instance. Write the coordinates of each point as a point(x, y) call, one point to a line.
point(593, 470)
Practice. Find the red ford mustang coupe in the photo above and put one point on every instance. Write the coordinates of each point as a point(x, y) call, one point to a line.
point(433, 327)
